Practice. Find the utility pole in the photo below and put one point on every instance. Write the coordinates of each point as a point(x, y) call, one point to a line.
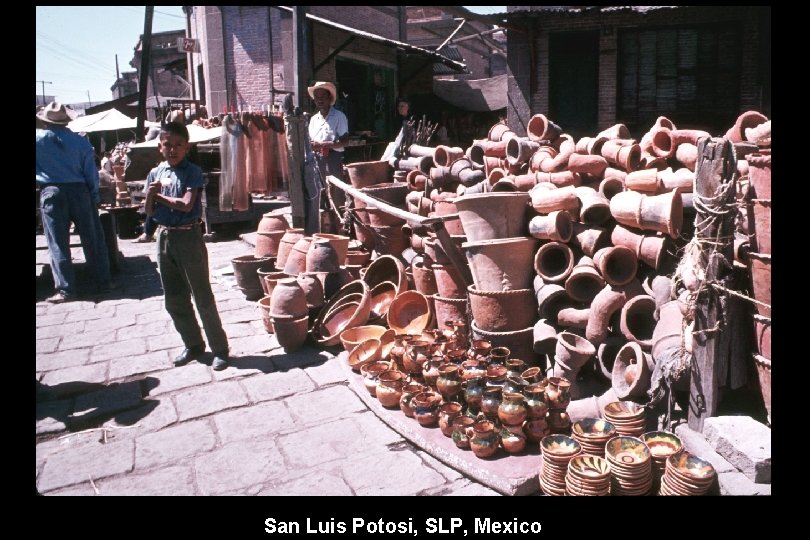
point(43, 89)
point(88, 98)
point(146, 60)
point(117, 73)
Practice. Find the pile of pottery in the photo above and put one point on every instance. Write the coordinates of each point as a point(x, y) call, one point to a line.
point(662, 445)
point(687, 474)
point(593, 434)
point(558, 451)
point(588, 475)
point(630, 466)
point(627, 417)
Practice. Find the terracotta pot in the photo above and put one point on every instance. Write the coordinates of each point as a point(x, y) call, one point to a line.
point(426, 408)
point(450, 309)
point(748, 119)
point(590, 145)
point(691, 136)
point(761, 281)
point(589, 239)
point(611, 186)
point(553, 262)
point(449, 282)
point(570, 354)
point(327, 327)
point(322, 256)
point(502, 264)
point(631, 372)
point(271, 229)
point(559, 179)
point(520, 342)
point(424, 278)
point(541, 128)
point(606, 355)
point(546, 201)
point(435, 252)
point(662, 213)
point(409, 390)
point(551, 298)
point(313, 289)
point(544, 337)
point(264, 308)
point(502, 311)
point(389, 388)
point(409, 313)
point(565, 146)
point(686, 155)
point(643, 181)
point(573, 318)
point(594, 207)
point(618, 264)
point(585, 281)
point(244, 269)
point(288, 300)
point(760, 174)
point(499, 132)
point(368, 173)
point(556, 226)
point(485, 440)
point(587, 164)
point(558, 393)
point(649, 249)
point(605, 304)
point(637, 321)
point(520, 149)
point(616, 131)
point(291, 333)
point(481, 149)
point(386, 268)
point(443, 155)
point(490, 216)
point(297, 259)
point(382, 295)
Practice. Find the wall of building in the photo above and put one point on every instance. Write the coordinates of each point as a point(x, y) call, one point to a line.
point(528, 60)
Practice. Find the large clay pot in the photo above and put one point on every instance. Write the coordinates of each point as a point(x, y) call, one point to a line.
point(368, 173)
point(297, 259)
point(339, 242)
point(503, 264)
point(321, 256)
point(571, 353)
point(386, 268)
point(448, 281)
point(589, 239)
point(652, 250)
point(546, 200)
point(450, 309)
point(291, 333)
point(423, 278)
point(389, 388)
point(544, 337)
point(605, 304)
point(489, 216)
point(502, 311)
point(288, 240)
point(759, 169)
point(264, 307)
point(500, 132)
point(748, 119)
point(670, 329)
point(485, 440)
point(551, 298)
point(541, 128)
point(553, 262)
point(637, 321)
point(271, 229)
point(288, 300)
point(244, 269)
point(618, 265)
point(520, 342)
point(663, 213)
point(761, 282)
point(587, 164)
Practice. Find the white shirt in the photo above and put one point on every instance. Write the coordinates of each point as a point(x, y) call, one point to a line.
point(328, 128)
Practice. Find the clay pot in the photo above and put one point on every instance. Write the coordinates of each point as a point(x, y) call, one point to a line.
point(631, 371)
point(644, 181)
point(683, 180)
point(244, 269)
point(264, 307)
point(611, 186)
point(520, 342)
point(347, 308)
point(541, 128)
point(687, 155)
point(485, 440)
point(606, 355)
point(288, 300)
point(443, 155)
point(386, 268)
point(570, 354)
point(605, 304)
point(371, 375)
point(409, 390)
point(544, 337)
point(482, 149)
point(426, 408)
point(594, 207)
point(587, 164)
point(545, 201)
point(322, 256)
point(662, 213)
point(573, 318)
point(759, 167)
point(746, 120)
point(556, 226)
point(618, 264)
point(268, 271)
point(313, 289)
point(637, 321)
point(368, 173)
point(558, 392)
point(551, 298)
point(502, 264)
point(651, 250)
point(409, 313)
point(621, 154)
point(590, 146)
point(669, 331)
point(500, 132)
point(761, 281)
point(589, 239)
point(553, 262)
point(520, 149)
point(450, 309)
point(616, 131)
point(389, 388)
point(352, 337)
point(340, 244)
point(559, 179)
point(490, 216)
point(297, 259)
point(382, 295)
point(502, 311)
point(512, 411)
point(585, 281)
point(291, 333)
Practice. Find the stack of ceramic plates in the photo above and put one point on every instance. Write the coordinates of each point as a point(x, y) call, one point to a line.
point(687, 474)
point(628, 417)
point(592, 434)
point(662, 444)
point(587, 475)
point(557, 452)
point(630, 466)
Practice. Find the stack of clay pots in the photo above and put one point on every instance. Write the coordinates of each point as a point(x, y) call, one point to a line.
point(687, 474)
point(662, 445)
point(630, 466)
point(593, 434)
point(627, 417)
point(558, 451)
point(758, 132)
point(588, 475)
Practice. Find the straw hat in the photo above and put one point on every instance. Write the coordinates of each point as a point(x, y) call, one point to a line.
point(324, 86)
point(56, 113)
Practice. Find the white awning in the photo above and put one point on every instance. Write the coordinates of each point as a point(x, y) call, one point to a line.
point(109, 120)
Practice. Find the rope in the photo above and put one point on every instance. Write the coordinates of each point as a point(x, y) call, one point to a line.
point(739, 295)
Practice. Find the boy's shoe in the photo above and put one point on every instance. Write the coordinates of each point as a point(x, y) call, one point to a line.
point(220, 362)
point(188, 355)
point(60, 297)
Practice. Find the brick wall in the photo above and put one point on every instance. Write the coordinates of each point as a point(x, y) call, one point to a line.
point(381, 20)
point(753, 84)
point(247, 56)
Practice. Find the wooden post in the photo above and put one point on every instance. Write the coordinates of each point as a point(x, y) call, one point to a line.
point(295, 131)
point(715, 198)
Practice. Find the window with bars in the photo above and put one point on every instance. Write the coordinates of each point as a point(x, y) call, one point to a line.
point(690, 74)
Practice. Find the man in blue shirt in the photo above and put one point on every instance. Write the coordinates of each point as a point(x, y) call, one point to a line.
point(68, 180)
point(173, 200)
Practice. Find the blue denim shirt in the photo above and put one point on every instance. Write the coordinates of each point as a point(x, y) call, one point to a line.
point(65, 157)
point(176, 181)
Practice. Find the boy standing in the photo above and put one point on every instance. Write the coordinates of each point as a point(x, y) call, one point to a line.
point(173, 191)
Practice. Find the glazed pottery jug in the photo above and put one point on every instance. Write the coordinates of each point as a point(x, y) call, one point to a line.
point(389, 388)
point(513, 439)
point(512, 410)
point(406, 399)
point(485, 440)
point(426, 408)
point(490, 401)
point(462, 427)
point(448, 383)
point(536, 406)
point(558, 392)
point(447, 414)
point(430, 370)
point(416, 353)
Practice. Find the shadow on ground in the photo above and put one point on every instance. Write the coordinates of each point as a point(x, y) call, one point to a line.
point(137, 277)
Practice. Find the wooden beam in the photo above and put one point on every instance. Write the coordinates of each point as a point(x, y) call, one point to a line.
point(332, 54)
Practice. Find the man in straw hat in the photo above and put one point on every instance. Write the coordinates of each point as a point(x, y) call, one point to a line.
point(328, 129)
point(67, 176)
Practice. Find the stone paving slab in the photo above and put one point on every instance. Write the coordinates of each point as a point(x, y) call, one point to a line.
point(62, 359)
point(75, 465)
point(237, 466)
point(265, 420)
point(204, 400)
point(114, 398)
point(507, 474)
point(174, 481)
point(173, 443)
point(744, 442)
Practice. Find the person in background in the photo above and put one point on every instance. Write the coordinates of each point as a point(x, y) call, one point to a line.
point(174, 200)
point(402, 116)
point(69, 192)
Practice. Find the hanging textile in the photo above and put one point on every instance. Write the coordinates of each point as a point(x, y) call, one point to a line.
point(229, 157)
point(241, 195)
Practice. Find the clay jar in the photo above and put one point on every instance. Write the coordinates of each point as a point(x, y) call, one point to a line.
point(448, 383)
point(496, 375)
point(514, 367)
point(490, 401)
point(512, 410)
point(406, 398)
point(371, 374)
point(271, 229)
point(536, 406)
point(288, 240)
point(448, 412)
point(474, 393)
point(430, 371)
point(485, 440)
point(288, 300)
point(462, 427)
point(426, 408)
point(558, 393)
point(389, 388)
point(512, 439)
point(417, 352)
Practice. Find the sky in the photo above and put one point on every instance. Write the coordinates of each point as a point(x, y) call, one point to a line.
point(76, 46)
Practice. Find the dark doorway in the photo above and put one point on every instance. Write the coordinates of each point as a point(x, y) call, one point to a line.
point(365, 96)
point(574, 82)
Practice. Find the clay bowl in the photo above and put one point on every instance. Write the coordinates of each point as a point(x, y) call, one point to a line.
point(560, 446)
point(626, 452)
point(593, 429)
point(387, 342)
point(352, 337)
point(589, 468)
point(381, 297)
point(364, 353)
point(386, 268)
point(623, 410)
point(662, 444)
point(409, 313)
point(690, 469)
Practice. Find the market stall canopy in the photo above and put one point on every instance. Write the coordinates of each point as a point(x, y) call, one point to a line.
point(110, 120)
point(196, 134)
point(474, 95)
